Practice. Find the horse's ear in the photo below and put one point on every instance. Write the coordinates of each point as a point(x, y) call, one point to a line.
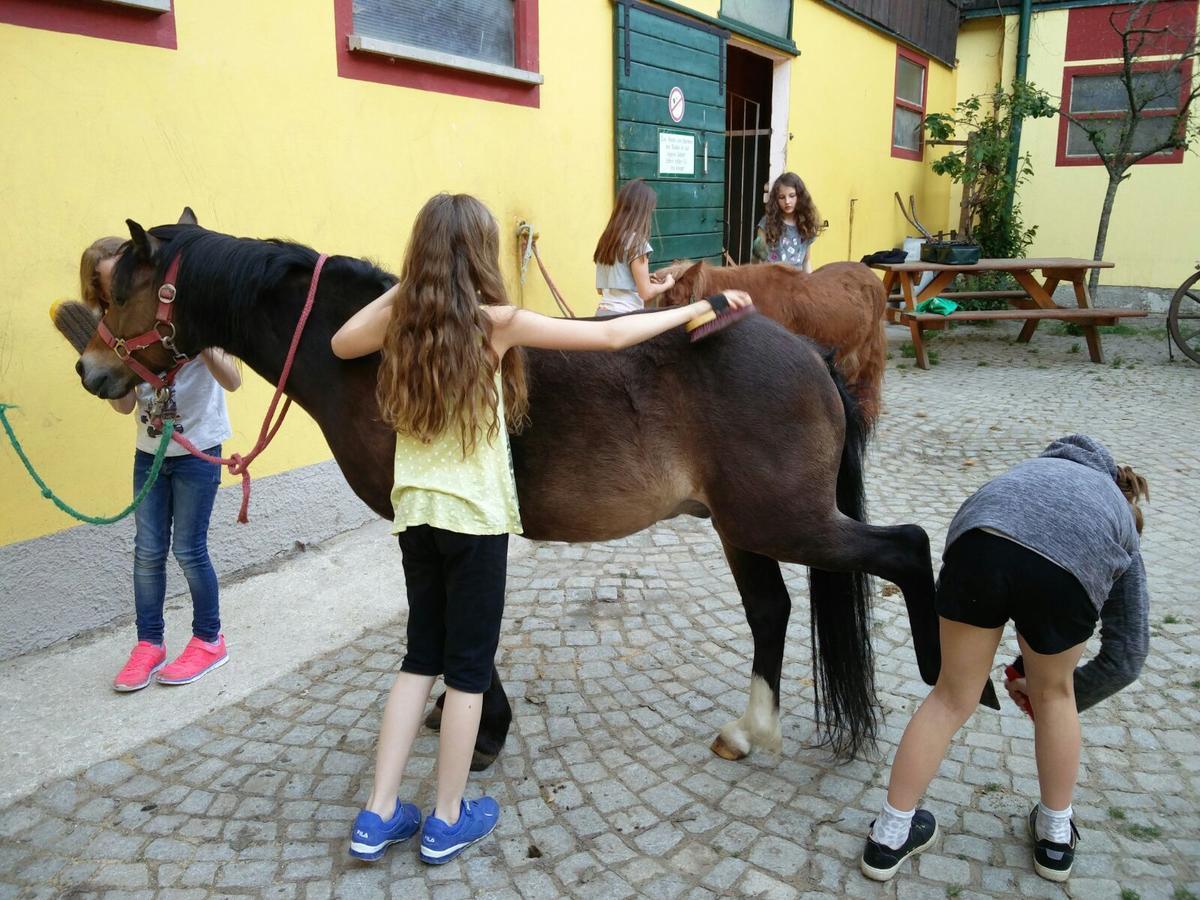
point(692, 273)
point(143, 244)
point(187, 217)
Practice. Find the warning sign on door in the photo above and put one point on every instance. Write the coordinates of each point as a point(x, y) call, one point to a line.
point(676, 153)
point(675, 104)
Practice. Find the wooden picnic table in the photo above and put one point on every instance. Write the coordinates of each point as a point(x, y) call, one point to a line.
point(1034, 302)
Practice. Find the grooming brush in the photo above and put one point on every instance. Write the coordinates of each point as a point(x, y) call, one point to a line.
point(1012, 672)
point(720, 316)
point(74, 321)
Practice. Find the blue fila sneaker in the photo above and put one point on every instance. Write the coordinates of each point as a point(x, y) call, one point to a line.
point(440, 842)
point(371, 836)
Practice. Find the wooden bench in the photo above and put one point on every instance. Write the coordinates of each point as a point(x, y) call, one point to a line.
point(1034, 301)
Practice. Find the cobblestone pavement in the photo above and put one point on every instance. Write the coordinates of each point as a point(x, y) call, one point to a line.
point(623, 659)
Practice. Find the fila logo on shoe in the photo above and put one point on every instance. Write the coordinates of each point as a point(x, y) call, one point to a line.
point(361, 834)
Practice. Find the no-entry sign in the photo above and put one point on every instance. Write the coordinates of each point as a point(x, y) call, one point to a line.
point(675, 104)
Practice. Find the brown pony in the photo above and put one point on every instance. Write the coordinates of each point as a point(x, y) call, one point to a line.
point(840, 305)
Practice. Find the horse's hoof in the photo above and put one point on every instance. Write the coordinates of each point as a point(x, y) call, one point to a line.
point(726, 751)
point(481, 760)
point(434, 719)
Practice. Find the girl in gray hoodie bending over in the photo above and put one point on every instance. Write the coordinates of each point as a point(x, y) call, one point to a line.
point(1053, 545)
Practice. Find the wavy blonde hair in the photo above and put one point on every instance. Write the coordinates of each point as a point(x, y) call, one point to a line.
point(89, 279)
point(1134, 487)
point(438, 363)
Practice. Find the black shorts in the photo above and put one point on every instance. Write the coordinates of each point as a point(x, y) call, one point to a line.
point(455, 604)
point(987, 580)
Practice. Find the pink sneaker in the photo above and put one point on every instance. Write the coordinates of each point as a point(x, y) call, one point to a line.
point(144, 661)
point(197, 660)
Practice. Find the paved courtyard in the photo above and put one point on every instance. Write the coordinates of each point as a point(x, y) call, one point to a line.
point(623, 659)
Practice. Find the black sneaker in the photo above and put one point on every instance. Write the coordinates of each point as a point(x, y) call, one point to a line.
point(1050, 860)
point(880, 862)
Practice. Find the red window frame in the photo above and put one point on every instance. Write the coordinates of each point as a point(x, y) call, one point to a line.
point(897, 101)
point(428, 77)
point(109, 21)
point(1070, 72)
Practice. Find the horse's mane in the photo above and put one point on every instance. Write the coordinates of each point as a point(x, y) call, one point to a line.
point(218, 271)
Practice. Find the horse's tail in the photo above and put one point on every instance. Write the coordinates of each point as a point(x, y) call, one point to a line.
point(843, 664)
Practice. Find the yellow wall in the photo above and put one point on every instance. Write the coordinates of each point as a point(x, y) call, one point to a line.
point(1151, 238)
point(248, 123)
point(842, 95)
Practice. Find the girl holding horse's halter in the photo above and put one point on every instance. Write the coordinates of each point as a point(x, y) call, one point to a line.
point(1052, 544)
point(622, 255)
point(452, 384)
point(791, 224)
point(180, 501)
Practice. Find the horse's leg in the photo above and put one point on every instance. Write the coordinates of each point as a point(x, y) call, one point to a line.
point(494, 721)
point(767, 604)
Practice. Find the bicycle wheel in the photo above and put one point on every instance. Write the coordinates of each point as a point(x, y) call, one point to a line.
point(1183, 318)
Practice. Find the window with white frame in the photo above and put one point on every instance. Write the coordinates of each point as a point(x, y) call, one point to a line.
point(770, 16)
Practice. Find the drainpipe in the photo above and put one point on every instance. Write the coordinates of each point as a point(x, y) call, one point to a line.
point(1014, 150)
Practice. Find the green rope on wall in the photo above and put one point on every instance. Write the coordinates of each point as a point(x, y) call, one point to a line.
point(159, 454)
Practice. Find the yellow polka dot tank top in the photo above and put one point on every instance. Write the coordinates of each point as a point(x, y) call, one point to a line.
point(434, 484)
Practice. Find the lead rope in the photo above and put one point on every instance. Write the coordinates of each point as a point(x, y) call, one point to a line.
point(155, 467)
point(237, 463)
point(527, 238)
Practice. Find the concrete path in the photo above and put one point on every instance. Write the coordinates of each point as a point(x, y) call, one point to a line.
point(622, 660)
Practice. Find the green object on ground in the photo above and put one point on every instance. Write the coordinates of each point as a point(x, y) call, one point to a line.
point(159, 454)
point(939, 305)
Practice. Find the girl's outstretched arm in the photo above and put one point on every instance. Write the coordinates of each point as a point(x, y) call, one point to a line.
point(364, 331)
point(522, 328)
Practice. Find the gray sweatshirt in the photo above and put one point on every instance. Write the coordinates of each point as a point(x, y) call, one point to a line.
point(1066, 505)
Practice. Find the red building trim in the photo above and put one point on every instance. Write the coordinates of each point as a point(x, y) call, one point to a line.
point(1062, 159)
point(897, 101)
point(427, 77)
point(1090, 33)
point(109, 21)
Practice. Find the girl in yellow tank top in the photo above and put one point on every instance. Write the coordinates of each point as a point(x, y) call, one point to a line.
point(452, 391)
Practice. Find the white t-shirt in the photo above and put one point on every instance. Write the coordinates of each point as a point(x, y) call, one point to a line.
point(203, 419)
point(618, 290)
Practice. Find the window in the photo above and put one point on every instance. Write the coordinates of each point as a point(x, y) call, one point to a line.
point(1097, 95)
point(908, 110)
point(147, 22)
point(770, 16)
point(476, 48)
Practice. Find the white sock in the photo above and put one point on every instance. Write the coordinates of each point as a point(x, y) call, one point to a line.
point(892, 826)
point(1053, 824)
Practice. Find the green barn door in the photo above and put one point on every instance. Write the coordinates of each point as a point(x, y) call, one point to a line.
point(670, 125)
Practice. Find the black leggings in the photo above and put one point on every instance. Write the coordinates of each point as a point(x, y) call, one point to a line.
point(987, 580)
point(455, 604)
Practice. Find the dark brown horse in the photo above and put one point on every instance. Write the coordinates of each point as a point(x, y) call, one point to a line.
point(749, 427)
point(840, 305)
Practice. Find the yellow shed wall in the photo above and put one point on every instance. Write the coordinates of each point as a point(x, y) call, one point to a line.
point(261, 141)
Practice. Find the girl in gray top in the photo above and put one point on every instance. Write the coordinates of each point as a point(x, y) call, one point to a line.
point(1053, 545)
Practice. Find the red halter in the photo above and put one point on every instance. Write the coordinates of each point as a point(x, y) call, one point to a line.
point(162, 332)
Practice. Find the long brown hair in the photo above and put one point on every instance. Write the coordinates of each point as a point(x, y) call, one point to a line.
point(89, 278)
point(628, 227)
point(438, 362)
point(1134, 487)
point(808, 222)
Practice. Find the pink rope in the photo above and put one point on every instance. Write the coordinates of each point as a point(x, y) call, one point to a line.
point(240, 464)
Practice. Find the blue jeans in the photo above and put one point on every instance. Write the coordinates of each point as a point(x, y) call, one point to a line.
point(182, 498)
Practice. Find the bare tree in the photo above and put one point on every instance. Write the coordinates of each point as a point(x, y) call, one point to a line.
point(1154, 102)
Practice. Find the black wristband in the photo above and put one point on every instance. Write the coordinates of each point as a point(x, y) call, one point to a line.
point(718, 302)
